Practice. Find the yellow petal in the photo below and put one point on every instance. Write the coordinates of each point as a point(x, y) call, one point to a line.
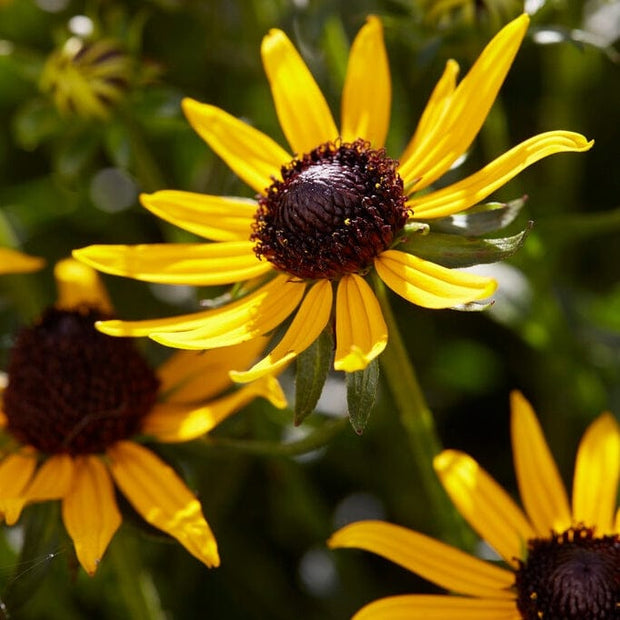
point(429, 285)
point(435, 110)
point(195, 264)
point(89, 511)
point(253, 316)
point(435, 561)
point(469, 105)
point(12, 261)
point(192, 376)
point(251, 155)
point(219, 218)
point(79, 284)
point(52, 480)
point(484, 504)
point(174, 422)
point(163, 500)
point(302, 110)
point(438, 607)
point(309, 322)
point(367, 93)
point(541, 488)
point(16, 471)
point(361, 332)
point(475, 188)
point(595, 484)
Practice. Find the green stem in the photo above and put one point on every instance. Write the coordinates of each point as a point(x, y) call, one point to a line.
point(419, 425)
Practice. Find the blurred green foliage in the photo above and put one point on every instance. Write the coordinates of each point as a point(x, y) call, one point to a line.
point(554, 332)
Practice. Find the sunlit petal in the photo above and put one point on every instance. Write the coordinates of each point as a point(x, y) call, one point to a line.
point(367, 92)
point(163, 500)
point(361, 332)
point(79, 284)
point(540, 485)
point(89, 511)
point(219, 218)
point(445, 566)
point(595, 485)
point(16, 471)
point(484, 504)
point(302, 110)
point(195, 264)
point(475, 188)
point(309, 322)
point(12, 261)
point(253, 156)
point(438, 607)
point(429, 285)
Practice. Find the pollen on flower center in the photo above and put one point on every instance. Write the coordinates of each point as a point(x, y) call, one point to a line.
point(73, 389)
point(334, 211)
point(572, 576)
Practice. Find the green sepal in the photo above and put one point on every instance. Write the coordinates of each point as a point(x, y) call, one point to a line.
point(455, 251)
point(481, 219)
point(361, 394)
point(312, 367)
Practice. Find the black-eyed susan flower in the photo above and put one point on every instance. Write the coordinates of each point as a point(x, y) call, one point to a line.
point(87, 78)
point(76, 403)
point(562, 560)
point(13, 261)
point(330, 213)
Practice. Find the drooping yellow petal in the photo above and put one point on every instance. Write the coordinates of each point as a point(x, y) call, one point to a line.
point(540, 485)
point(192, 376)
point(16, 471)
point(309, 322)
point(475, 188)
point(52, 480)
point(435, 110)
point(253, 156)
point(361, 332)
point(437, 607)
point(174, 422)
point(484, 504)
point(195, 264)
point(238, 322)
point(218, 218)
point(79, 284)
point(163, 500)
point(13, 261)
point(89, 511)
point(367, 93)
point(595, 484)
point(302, 110)
point(429, 285)
point(435, 561)
point(468, 107)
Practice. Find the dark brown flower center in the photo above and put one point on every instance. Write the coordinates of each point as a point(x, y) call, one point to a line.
point(73, 389)
point(570, 576)
point(335, 210)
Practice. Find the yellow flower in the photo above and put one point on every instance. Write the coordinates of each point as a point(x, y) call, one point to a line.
point(331, 214)
point(563, 561)
point(12, 261)
point(77, 399)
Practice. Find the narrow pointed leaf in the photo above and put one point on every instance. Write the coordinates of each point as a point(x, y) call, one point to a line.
point(361, 393)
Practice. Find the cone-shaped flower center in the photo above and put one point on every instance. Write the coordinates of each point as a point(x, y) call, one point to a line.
point(72, 389)
point(570, 576)
point(335, 210)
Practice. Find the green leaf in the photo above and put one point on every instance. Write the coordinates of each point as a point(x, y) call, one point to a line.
point(36, 122)
point(456, 251)
point(312, 368)
point(361, 394)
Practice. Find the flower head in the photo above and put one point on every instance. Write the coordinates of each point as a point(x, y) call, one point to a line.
point(562, 561)
point(329, 213)
point(75, 405)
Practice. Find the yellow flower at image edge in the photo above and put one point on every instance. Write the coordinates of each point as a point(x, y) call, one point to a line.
point(563, 561)
point(331, 214)
point(13, 261)
point(76, 401)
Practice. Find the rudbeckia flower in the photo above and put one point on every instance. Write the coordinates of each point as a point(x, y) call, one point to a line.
point(13, 261)
point(76, 404)
point(561, 560)
point(330, 214)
